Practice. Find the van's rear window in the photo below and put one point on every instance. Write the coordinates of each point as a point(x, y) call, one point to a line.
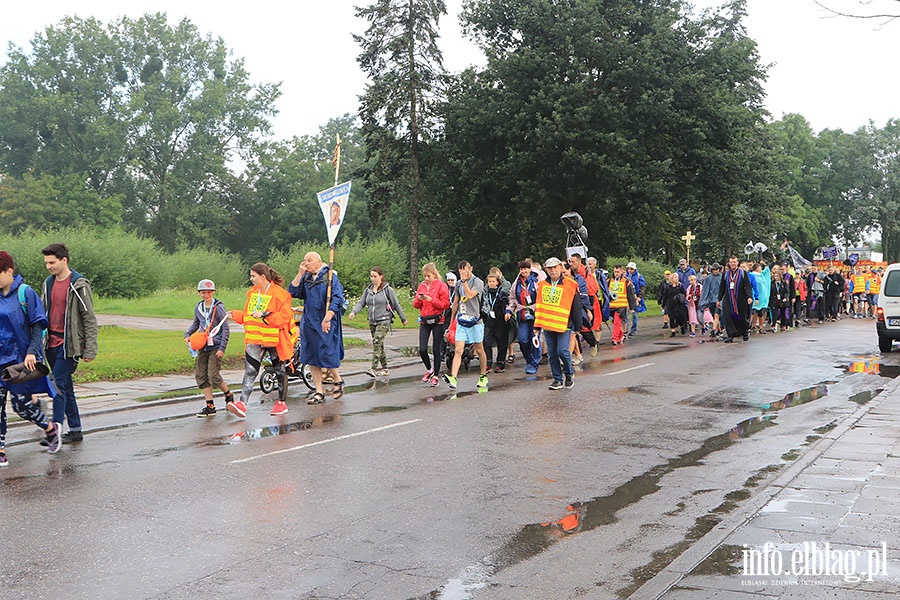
point(891, 285)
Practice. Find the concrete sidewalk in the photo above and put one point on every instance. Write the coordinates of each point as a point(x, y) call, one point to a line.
point(828, 527)
point(104, 397)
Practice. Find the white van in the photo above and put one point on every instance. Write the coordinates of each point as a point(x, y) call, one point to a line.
point(888, 312)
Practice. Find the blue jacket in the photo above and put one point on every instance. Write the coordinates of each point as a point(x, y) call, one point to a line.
point(20, 334)
point(604, 293)
point(325, 350)
point(523, 312)
point(709, 295)
point(17, 328)
point(684, 274)
point(640, 285)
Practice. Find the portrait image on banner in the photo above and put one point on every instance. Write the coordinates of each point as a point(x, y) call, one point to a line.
point(333, 203)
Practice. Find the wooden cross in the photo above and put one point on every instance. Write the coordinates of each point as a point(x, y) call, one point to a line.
point(687, 242)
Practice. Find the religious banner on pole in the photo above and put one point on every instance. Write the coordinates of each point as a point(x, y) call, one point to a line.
point(333, 203)
point(797, 259)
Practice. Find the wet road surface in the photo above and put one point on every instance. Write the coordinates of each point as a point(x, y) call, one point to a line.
point(403, 491)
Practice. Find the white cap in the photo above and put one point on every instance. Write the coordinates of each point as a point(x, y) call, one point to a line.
point(451, 275)
point(631, 265)
point(206, 284)
point(552, 262)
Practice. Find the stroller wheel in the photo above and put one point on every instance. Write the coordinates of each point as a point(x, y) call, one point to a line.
point(306, 376)
point(268, 382)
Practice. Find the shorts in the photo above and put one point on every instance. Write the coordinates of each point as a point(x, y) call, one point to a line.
point(760, 312)
point(873, 299)
point(860, 297)
point(470, 335)
point(206, 369)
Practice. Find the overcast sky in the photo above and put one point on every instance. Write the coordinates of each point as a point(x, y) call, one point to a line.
point(834, 71)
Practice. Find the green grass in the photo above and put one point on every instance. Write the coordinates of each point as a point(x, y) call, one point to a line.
point(171, 304)
point(180, 303)
point(132, 353)
point(653, 309)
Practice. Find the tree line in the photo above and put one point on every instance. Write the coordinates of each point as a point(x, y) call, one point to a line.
point(644, 118)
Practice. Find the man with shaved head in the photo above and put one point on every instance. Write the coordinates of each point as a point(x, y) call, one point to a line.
point(322, 341)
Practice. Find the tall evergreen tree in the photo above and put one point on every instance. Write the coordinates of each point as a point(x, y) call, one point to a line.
point(401, 57)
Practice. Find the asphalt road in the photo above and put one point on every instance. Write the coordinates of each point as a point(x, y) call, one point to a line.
point(403, 491)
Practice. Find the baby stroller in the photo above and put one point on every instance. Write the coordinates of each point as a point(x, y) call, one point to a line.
point(450, 350)
point(268, 379)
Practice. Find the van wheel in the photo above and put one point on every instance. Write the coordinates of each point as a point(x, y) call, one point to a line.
point(885, 344)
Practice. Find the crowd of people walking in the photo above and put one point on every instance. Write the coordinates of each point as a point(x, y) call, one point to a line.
point(551, 312)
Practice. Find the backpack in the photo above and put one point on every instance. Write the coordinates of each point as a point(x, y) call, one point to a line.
point(23, 302)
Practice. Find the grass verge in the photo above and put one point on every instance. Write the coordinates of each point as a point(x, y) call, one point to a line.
point(180, 303)
point(132, 353)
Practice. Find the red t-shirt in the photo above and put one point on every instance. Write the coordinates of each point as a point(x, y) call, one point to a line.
point(57, 313)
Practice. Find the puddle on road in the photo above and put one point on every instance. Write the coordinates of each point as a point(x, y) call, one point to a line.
point(533, 539)
point(376, 410)
point(797, 398)
point(251, 435)
point(863, 397)
point(872, 366)
point(585, 516)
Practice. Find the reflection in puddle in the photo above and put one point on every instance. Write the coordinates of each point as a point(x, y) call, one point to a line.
point(872, 366)
point(376, 410)
point(863, 397)
point(585, 516)
point(252, 435)
point(799, 397)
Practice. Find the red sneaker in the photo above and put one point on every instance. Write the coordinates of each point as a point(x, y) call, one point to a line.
point(237, 408)
point(280, 408)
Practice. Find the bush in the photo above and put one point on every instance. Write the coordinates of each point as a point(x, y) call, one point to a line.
point(186, 267)
point(121, 264)
point(117, 263)
point(651, 270)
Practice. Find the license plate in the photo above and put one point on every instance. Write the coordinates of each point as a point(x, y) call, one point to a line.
point(894, 322)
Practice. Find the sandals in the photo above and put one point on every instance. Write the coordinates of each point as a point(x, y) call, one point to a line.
point(316, 398)
point(338, 390)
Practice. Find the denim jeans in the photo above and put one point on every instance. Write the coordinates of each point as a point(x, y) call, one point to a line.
point(633, 321)
point(531, 354)
point(558, 354)
point(64, 404)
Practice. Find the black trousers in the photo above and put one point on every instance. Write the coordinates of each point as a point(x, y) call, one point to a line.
point(436, 331)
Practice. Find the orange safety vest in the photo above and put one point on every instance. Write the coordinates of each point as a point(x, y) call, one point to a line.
point(859, 284)
point(554, 303)
point(278, 331)
point(618, 293)
point(875, 284)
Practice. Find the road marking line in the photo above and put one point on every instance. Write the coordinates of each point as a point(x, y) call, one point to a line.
point(626, 370)
point(329, 440)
